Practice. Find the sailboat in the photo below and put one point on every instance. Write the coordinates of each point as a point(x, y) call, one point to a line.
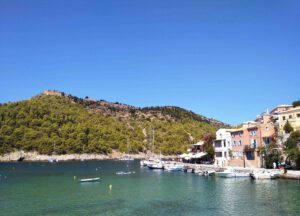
point(154, 163)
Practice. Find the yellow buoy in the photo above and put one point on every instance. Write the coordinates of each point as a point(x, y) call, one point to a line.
point(110, 187)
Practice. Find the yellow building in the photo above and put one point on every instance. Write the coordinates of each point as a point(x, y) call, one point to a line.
point(292, 116)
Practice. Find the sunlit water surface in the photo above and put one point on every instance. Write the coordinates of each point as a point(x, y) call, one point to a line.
point(50, 189)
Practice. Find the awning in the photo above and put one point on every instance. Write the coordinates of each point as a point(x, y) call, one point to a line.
point(193, 156)
point(199, 155)
point(200, 143)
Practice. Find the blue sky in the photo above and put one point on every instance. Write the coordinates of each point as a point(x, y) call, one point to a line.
point(228, 60)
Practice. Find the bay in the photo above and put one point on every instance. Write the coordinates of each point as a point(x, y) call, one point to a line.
point(35, 188)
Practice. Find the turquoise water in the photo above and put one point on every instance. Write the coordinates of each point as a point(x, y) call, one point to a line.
point(50, 189)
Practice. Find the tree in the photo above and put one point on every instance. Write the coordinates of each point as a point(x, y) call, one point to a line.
point(296, 103)
point(272, 154)
point(292, 149)
point(288, 127)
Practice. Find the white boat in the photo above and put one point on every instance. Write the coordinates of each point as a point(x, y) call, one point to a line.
point(265, 174)
point(229, 173)
point(124, 173)
point(126, 158)
point(148, 161)
point(53, 160)
point(90, 180)
point(209, 172)
point(173, 167)
point(157, 164)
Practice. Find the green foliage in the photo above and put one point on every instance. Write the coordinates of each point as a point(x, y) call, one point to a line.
point(66, 124)
point(296, 103)
point(288, 127)
point(292, 148)
point(272, 154)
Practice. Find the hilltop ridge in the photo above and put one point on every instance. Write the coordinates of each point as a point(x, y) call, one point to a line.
point(125, 111)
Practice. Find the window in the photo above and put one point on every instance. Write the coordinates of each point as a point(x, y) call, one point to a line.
point(224, 143)
point(283, 118)
point(225, 154)
point(240, 134)
point(298, 115)
point(253, 143)
point(240, 142)
point(218, 154)
point(234, 143)
point(290, 116)
point(228, 143)
point(267, 140)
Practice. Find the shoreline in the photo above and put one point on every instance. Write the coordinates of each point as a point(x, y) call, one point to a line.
point(35, 156)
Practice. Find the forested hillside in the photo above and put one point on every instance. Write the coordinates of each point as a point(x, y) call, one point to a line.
point(64, 124)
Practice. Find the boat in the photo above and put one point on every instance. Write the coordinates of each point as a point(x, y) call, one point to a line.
point(209, 172)
point(126, 158)
point(148, 161)
point(265, 174)
point(173, 167)
point(89, 180)
point(229, 173)
point(53, 160)
point(124, 173)
point(158, 164)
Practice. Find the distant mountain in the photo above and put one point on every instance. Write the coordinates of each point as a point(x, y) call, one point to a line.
point(56, 122)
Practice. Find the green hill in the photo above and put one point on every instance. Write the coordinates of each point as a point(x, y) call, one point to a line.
point(61, 123)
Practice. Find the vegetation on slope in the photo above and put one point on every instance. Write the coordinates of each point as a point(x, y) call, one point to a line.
point(67, 124)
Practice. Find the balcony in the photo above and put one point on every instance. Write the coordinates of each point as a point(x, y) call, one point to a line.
point(219, 149)
point(250, 147)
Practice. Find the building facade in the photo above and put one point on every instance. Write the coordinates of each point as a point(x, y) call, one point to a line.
point(222, 146)
point(248, 139)
point(292, 116)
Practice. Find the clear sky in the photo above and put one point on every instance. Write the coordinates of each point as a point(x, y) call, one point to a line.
point(225, 59)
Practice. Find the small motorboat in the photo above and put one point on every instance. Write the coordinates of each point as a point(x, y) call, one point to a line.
point(209, 172)
point(173, 167)
point(229, 173)
point(53, 160)
point(265, 174)
point(89, 180)
point(124, 173)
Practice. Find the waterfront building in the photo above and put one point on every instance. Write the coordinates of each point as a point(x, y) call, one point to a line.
point(247, 140)
point(280, 108)
point(222, 147)
point(292, 116)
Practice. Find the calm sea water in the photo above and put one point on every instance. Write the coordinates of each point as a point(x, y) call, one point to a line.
point(50, 189)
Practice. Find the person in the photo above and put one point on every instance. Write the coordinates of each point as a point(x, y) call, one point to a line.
point(274, 165)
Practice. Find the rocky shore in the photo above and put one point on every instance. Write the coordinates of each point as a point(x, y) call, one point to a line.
point(35, 156)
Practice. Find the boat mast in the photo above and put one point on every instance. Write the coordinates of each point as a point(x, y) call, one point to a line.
point(153, 141)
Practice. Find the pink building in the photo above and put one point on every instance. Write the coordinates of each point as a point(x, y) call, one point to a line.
point(248, 139)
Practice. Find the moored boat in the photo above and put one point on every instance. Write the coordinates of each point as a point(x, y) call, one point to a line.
point(158, 164)
point(265, 174)
point(124, 173)
point(90, 180)
point(229, 173)
point(173, 167)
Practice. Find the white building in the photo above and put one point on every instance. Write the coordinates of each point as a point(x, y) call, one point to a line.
point(222, 146)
